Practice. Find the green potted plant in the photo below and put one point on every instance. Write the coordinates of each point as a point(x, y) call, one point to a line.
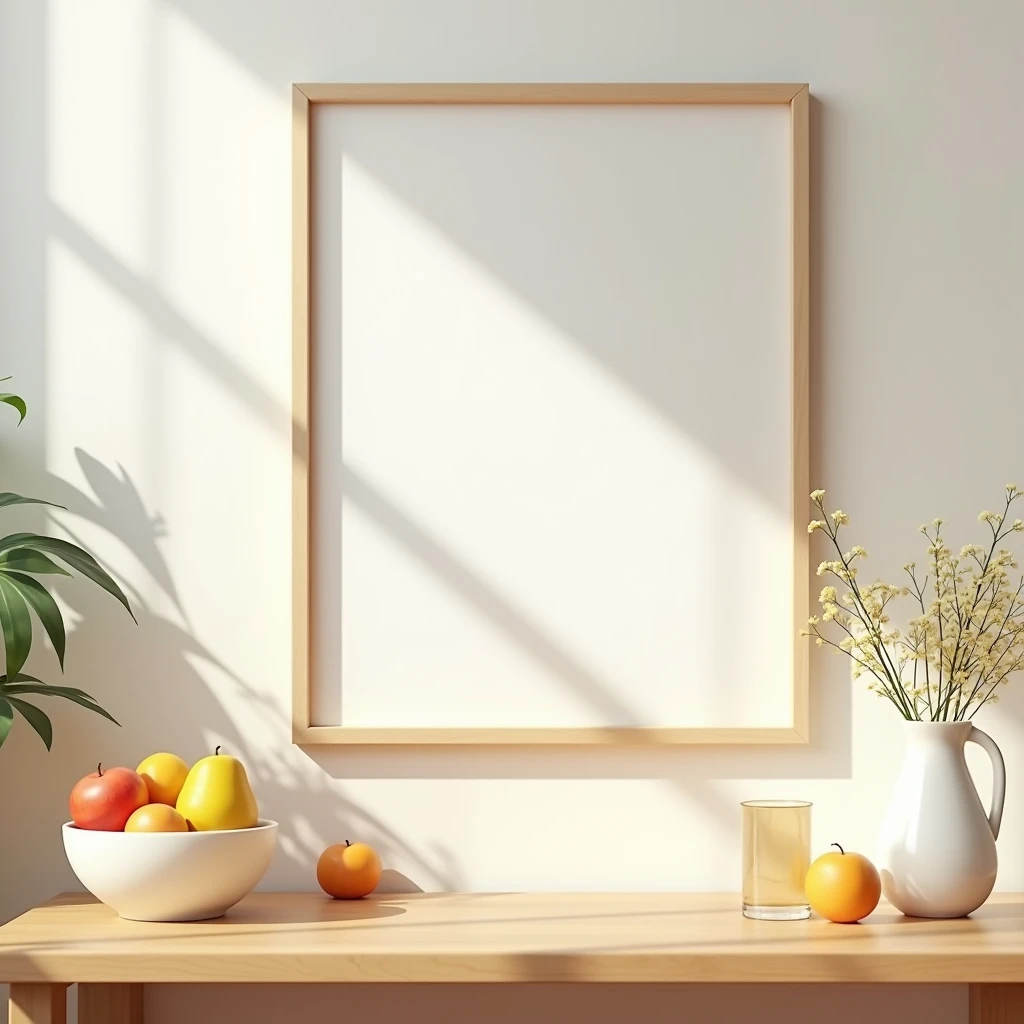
point(23, 557)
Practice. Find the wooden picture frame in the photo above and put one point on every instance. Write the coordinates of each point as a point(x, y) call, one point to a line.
point(304, 98)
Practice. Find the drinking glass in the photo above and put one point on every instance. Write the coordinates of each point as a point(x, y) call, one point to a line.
point(776, 855)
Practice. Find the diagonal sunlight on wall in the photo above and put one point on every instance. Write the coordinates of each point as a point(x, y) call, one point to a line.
point(130, 196)
point(266, 410)
point(99, 103)
point(629, 230)
point(212, 104)
point(98, 346)
point(168, 420)
point(557, 493)
point(141, 330)
point(199, 111)
point(205, 462)
point(143, 314)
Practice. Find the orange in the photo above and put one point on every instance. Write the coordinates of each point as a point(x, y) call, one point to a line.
point(156, 818)
point(348, 872)
point(164, 775)
point(843, 887)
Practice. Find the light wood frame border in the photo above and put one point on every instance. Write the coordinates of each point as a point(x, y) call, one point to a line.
point(304, 96)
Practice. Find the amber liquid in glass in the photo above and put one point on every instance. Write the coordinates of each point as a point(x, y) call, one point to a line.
point(776, 855)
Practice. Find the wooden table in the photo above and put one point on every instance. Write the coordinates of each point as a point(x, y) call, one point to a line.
point(518, 937)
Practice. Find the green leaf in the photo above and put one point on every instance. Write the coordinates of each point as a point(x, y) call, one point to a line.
point(20, 677)
point(74, 556)
point(46, 689)
point(6, 719)
point(16, 625)
point(36, 718)
point(10, 498)
point(15, 540)
point(79, 697)
point(37, 686)
point(40, 601)
point(16, 402)
point(27, 560)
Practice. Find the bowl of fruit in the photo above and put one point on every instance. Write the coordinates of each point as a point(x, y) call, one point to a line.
point(167, 842)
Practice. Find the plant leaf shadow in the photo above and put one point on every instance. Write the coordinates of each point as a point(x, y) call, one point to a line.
point(171, 691)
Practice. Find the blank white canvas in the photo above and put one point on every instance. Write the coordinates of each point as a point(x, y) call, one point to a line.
point(552, 448)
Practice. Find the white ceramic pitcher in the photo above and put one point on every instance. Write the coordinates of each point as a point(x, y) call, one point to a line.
point(937, 854)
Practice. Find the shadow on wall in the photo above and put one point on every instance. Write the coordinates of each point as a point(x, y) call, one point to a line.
point(169, 690)
point(158, 686)
point(172, 668)
point(173, 651)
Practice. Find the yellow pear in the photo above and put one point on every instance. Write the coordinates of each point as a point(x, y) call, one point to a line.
point(216, 795)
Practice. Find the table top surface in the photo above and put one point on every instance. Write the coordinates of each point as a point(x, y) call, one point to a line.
point(510, 937)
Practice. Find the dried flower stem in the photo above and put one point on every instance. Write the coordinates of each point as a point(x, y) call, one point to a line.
point(969, 635)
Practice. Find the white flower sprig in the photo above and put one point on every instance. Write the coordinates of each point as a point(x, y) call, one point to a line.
point(968, 638)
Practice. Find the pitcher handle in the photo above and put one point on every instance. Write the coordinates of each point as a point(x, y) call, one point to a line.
point(995, 815)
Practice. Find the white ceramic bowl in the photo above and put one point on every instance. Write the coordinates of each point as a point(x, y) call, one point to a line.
point(170, 876)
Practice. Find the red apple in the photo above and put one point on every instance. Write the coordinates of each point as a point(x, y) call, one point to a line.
point(105, 799)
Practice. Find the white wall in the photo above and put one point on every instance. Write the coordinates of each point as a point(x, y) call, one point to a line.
point(144, 309)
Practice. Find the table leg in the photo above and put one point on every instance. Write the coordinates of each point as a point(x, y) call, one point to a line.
point(109, 1004)
point(38, 1003)
point(997, 1004)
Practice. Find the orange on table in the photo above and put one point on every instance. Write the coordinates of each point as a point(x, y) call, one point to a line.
point(348, 872)
point(164, 775)
point(842, 887)
point(156, 818)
